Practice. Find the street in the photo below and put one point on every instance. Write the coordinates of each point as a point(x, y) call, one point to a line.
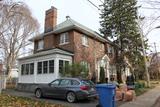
point(85, 103)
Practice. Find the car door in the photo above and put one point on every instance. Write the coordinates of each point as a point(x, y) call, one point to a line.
point(52, 89)
point(64, 86)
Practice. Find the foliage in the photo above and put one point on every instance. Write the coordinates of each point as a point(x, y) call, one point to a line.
point(17, 26)
point(76, 70)
point(102, 75)
point(10, 101)
point(119, 24)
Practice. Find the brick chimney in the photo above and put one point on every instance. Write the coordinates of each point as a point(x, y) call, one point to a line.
point(50, 19)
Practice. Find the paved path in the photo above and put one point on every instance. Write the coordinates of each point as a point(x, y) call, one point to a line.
point(148, 99)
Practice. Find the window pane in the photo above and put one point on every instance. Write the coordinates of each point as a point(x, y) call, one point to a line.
point(51, 66)
point(45, 67)
point(66, 37)
point(55, 83)
point(40, 44)
point(84, 40)
point(27, 69)
point(65, 82)
point(32, 68)
point(61, 66)
point(74, 82)
point(39, 68)
point(22, 69)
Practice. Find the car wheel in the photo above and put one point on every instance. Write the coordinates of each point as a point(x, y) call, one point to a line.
point(71, 97)
point(38, 93)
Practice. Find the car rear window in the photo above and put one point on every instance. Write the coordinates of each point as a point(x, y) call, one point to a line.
point(74, 82)
point(87, 82)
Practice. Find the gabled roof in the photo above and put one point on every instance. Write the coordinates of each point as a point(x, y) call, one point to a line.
point(48, 52)
point(70, 24)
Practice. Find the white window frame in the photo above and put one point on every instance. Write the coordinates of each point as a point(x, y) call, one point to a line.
point(64, 38)
point(85, 40)
point(40, 45)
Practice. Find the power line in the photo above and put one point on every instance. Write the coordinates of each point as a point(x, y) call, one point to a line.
point(93, 4)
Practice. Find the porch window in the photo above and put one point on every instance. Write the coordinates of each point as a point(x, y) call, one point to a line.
point(45, 67)
point(27, 69)
point(31, 68)
point(64, 38)
point(62, 65)
point(51, 66)
point(39, 68)
point(22, 69)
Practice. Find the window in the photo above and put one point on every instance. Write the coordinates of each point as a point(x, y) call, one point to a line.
point(51, 66)
point(74, 82)
point(55, 83)
point(27, 69)
point(45, 67)
point(65, 82)
point(64, 38)
point(86, 66)
point(84, 40)
point(31, 68)
point(40, 44)
point(22, 69)
point(39, 68)
point(62, 65)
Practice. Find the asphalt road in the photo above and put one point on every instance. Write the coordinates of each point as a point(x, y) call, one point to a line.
point(84, 103)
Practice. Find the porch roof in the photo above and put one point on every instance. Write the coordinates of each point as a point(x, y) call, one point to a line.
point(48, 52)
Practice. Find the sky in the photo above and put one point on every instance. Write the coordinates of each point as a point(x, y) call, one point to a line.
point(85, 13)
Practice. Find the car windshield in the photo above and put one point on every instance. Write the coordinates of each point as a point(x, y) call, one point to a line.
point(87, 82)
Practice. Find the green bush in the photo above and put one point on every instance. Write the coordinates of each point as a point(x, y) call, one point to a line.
point(75, 70)
point(102, 75)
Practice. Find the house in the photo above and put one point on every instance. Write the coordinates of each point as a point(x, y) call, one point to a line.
point(62, 44)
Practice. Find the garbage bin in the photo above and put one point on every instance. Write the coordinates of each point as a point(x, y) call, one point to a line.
point(106, 94)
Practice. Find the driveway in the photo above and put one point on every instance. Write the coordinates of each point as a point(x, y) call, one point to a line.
point(85, 103)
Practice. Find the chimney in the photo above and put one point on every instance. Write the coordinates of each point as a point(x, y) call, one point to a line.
point(50, 19)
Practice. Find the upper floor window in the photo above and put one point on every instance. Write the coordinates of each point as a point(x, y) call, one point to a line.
point(40, 44)
point(64, 38)
point(84, 40)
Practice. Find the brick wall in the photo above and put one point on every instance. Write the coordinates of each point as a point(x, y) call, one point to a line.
point(94, 51)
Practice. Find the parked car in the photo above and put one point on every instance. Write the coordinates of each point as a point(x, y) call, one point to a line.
point(71, 89)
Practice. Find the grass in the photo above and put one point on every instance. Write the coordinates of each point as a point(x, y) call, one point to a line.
point(140, 91)
point(11, 101)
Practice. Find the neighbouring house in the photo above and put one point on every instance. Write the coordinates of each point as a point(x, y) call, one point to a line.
point(62, 44)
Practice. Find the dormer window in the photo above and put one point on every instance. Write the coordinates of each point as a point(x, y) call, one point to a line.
point(64, 38)
point(40, 45)
point(84, 40)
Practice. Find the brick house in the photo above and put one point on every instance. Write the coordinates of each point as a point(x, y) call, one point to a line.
point(67, 42)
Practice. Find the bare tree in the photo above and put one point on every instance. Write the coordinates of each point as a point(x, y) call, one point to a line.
point(17, 26)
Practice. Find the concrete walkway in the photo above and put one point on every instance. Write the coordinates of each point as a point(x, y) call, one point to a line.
point(148, 99)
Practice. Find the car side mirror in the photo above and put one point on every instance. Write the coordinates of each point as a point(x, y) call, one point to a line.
point(49, 84)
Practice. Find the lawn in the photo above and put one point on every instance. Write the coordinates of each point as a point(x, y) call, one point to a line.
point(10, 101)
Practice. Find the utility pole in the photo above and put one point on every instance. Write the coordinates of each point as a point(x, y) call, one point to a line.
point(157, 60)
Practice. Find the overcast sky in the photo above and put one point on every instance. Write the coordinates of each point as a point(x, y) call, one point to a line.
point(85, 13)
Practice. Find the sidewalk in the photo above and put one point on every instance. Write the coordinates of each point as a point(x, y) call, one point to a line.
point(148, 99)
